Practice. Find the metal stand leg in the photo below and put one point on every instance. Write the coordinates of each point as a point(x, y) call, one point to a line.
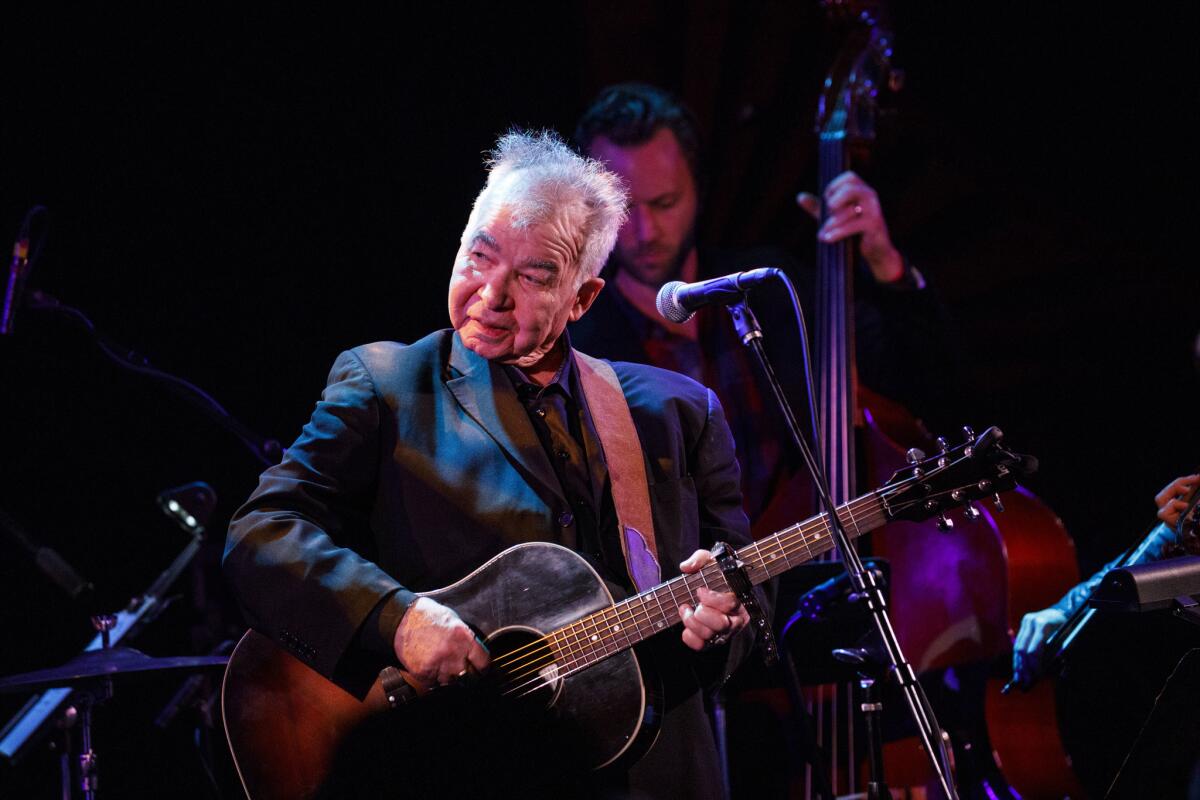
point(722, 736)
point(88, 779)
point(64, 759)
point(872, 710)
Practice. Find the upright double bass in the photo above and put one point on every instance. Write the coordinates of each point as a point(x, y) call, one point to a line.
point(957, 590)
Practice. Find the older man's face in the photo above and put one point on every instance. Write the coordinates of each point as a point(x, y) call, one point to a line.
point(660, 231)
point(513, 290)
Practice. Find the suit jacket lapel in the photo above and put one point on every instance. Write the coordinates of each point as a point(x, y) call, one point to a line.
point(487, 395)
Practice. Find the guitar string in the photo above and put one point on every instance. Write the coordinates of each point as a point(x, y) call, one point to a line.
point(635, 610)
point(576, 661)
point(582, 653)
point(583, 638)
point(640, 613)
point(783, 540)
point(583, 634)
point(585, 645)
point(530, 686)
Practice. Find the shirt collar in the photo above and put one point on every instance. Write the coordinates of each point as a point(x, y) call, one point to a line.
point(562, 379)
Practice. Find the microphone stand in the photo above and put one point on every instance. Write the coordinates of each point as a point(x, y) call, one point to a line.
point(863, 581)
point(48, 560)
point(267, 451)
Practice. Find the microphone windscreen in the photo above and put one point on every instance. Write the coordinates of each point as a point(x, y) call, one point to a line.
point(668, 306)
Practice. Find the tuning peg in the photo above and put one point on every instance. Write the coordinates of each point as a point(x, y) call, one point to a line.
point(971, 512)
point(944, 523)
point(915, 456)
point(944, 447)
point(996, 502)
point(968, 434)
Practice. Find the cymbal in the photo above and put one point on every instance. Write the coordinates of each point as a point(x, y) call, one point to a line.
point(103, 663)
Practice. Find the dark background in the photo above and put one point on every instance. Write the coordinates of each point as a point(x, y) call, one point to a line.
point(239, 198)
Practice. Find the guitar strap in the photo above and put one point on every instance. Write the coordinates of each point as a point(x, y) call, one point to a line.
point(626, 468)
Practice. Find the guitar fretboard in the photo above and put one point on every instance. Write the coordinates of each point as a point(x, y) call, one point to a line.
point(621, 626)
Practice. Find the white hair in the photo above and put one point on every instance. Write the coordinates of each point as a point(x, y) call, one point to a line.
point(535, 174)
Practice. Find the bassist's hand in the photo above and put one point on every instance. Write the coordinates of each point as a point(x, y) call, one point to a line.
point(716, 617)
point(435, 646)
point(852, 209)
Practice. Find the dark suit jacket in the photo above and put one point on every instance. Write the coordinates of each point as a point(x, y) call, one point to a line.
point(420, 463)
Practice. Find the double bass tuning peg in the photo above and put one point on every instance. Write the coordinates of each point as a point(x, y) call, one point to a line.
point(944, 523)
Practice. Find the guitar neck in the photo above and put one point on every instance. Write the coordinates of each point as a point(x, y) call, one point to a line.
point(621, 626)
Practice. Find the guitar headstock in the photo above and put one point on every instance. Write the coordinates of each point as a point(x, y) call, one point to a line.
point(979, 467)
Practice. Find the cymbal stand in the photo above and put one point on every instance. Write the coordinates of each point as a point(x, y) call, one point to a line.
point(86, 701)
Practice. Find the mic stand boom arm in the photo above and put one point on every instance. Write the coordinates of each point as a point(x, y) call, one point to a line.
point(862, 580)
point(267, 451)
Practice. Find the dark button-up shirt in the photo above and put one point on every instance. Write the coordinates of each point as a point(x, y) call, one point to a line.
point(564, 427)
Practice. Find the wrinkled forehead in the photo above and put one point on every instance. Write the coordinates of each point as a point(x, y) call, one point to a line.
point(525, 202)
point(527, 199)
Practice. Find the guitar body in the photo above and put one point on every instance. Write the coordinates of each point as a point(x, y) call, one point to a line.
point(295, 734)
point(564, 695)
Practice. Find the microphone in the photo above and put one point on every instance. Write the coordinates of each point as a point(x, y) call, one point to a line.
point(677, 301)
point(47, 559)
point(18, 268)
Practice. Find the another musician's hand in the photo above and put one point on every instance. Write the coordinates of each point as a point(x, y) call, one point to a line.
point(716, 617)
point(1172, 500)
point(853, 209)
point(435, 646)
point(1036, 628)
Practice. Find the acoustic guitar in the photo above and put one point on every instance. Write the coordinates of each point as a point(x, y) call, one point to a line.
point(566, 692)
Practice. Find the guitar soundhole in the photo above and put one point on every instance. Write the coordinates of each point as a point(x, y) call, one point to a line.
point(524, 668)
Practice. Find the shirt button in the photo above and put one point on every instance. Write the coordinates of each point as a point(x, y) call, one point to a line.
point(566, 518)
